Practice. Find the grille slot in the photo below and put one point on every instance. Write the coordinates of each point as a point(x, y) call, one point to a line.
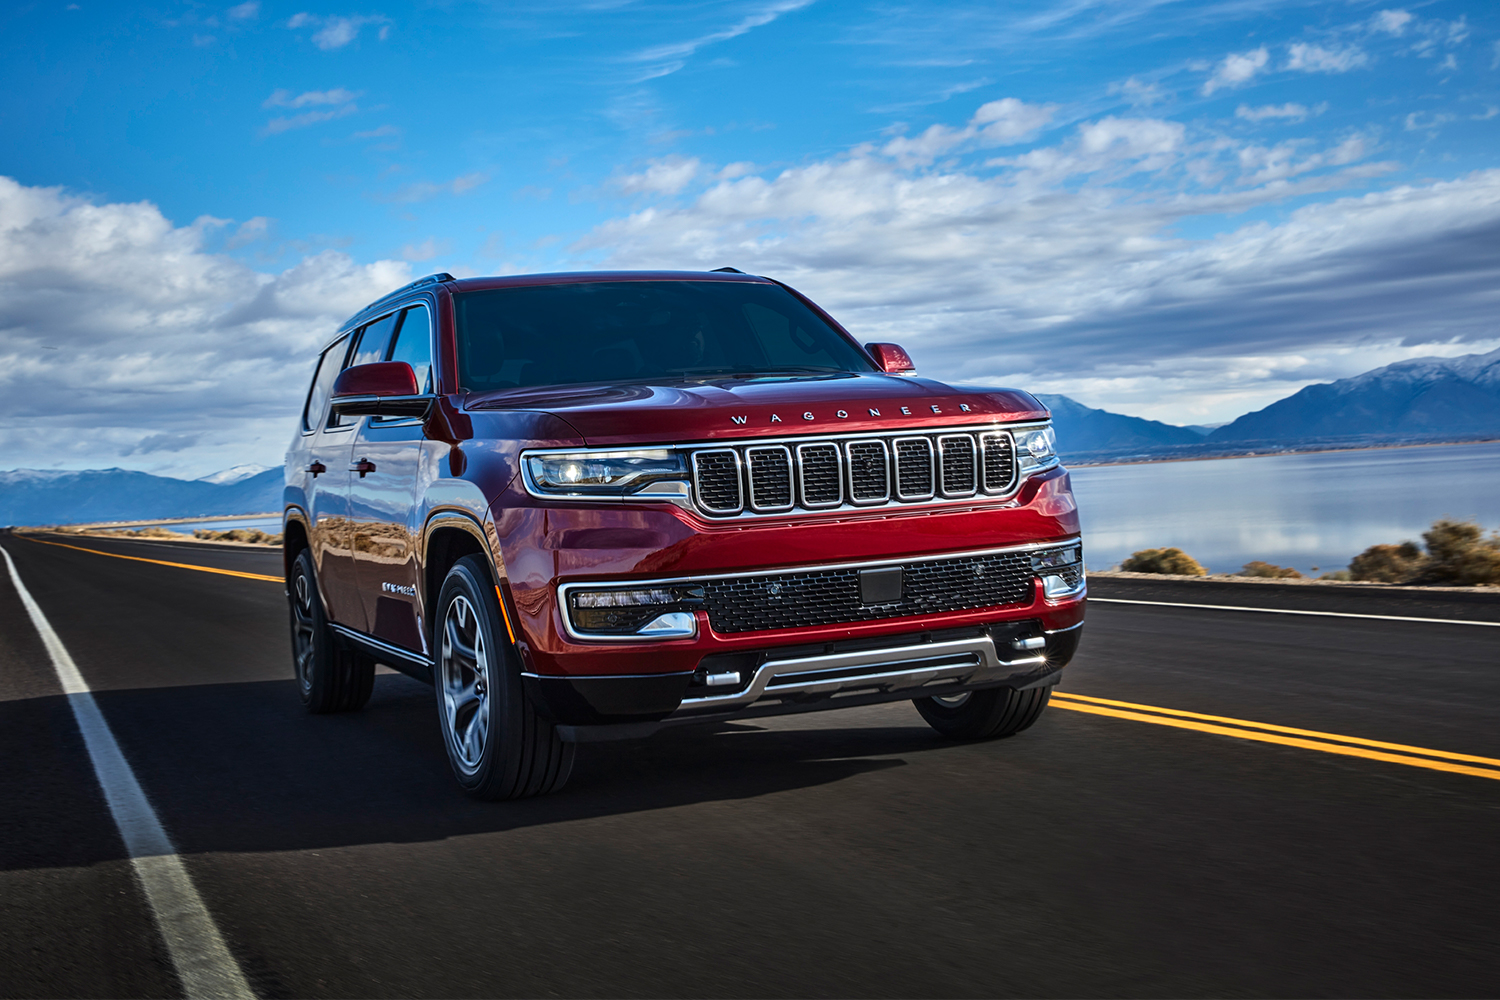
point(914, 468)
point(960, 468)
point(999, 451)
point(826, 597)
point(869, 472)
point(769, 470)
point(820, 474)
point(716, 479)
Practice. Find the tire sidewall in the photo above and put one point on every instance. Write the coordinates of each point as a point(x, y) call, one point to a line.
point(314, 690)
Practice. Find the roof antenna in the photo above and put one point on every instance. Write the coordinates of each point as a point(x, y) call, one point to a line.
point(726, 270)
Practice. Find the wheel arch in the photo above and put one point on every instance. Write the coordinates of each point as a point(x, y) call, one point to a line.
point(448, 537)
point(294, 538)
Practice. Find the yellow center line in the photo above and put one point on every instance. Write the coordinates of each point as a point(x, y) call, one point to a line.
point(1173, 720)
point(159, 562)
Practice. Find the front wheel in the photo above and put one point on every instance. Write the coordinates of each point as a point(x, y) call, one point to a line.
point(499, 747)
point(983, 715)
point(329, 677)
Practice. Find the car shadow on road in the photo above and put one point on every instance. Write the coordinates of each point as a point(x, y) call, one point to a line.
point(241, 767)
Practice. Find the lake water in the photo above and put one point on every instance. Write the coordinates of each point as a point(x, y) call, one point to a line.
point(271, 525)
point(1293, 510)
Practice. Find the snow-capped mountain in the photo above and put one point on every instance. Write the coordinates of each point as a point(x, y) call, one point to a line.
point(29, 496)
point(1422, 397)
point(233, 474)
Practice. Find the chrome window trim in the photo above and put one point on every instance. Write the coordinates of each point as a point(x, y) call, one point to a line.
point(885, 450)
point(932, 470)
point(791, 484)
point(838, 461)
point(739, 475)
point(943, 471)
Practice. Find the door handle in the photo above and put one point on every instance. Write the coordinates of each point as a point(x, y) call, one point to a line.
point(317, 469)
point(363, 466)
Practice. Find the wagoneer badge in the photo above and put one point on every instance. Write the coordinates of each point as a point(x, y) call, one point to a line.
point(905, 411)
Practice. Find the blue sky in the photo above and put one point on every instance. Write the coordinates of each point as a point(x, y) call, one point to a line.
point(1176, 210)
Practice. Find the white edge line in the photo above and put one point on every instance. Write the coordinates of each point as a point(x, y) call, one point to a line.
point(203, 963)
point(1289, 611)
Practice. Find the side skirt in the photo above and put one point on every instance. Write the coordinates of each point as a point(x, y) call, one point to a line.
point(411, 664)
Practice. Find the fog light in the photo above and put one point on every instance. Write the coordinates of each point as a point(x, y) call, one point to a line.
point(1057, 587)
point(644, 612)
point(1052, 558)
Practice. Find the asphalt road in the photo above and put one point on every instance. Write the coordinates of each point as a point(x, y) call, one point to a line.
point(846, 853)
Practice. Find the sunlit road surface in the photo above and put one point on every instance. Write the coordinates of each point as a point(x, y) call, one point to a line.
point(1217, 802)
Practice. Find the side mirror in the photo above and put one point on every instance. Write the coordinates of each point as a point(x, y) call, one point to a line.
point(382, 388)
point(892, 359)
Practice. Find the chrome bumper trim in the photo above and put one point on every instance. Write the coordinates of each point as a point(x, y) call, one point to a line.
point(956, 662)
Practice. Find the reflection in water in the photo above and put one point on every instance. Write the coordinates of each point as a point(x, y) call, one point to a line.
point(1292, 510)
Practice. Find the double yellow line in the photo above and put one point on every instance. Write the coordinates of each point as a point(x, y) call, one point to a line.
point(157, 562)
point(1265, 732)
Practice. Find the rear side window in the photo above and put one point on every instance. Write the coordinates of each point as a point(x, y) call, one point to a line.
point(322, 385)
point(414, 346)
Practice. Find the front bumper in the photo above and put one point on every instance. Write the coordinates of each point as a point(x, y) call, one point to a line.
point(791, 679)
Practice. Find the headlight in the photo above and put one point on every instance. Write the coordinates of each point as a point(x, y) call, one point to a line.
point(663, 612)
point(1052, 558)
point(1036, 446)
point(606, 473)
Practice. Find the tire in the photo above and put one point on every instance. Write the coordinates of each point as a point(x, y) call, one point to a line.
point(497, 744)
point(984, 715)
point(329, 677)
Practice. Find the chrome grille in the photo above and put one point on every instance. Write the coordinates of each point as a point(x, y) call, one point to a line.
point(766, 478)
point(999, 462)
point(960, 471)
point(913, 468)
point(716, 480)
point(826, 597)
point(769, 471)
point(821, 474)
point(869, 472)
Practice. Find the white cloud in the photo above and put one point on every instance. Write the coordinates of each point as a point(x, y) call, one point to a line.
point(1237, 69)
point(426, 191)
point(1316, 59)
point(244, 11)
point(249, 231)
point(1288, 111)
point(164, 350)
point(1391, 22)
point(673, 56)
point(1065, 266)
point(1139, 93)
point(665, 176)
point(285, 99)
point(998, 123)
point(336, 32)
point(286, 124)
point(426, 250)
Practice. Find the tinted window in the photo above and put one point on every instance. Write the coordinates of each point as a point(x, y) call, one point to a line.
point(322, 385)
point(609, 331)
point(414, 346)
point(374, 340)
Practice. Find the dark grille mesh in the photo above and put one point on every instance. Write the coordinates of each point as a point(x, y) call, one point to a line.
point(718, 481)
point(913, 468)
point(820, 474)
point(770, 477)
point(869, 477)
point(1072, 575)
point(999, 462)
point(958, 465)
point(827, 597)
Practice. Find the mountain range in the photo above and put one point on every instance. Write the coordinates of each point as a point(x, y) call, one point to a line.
point(1424, 399)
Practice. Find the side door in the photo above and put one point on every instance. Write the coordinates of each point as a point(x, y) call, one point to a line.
point(383, 490)
point(326, 485)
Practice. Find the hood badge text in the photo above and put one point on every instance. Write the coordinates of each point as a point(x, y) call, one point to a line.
point(844, 414)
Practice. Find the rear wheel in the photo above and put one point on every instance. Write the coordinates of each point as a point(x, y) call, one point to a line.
point(499, 747)
point(983, 715)
point(329, 677)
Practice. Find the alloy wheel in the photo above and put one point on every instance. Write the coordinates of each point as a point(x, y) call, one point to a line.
point(465, 678)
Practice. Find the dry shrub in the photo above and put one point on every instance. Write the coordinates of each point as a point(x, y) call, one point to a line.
point(1170, 561)
point(1458, 553)
point(1389, 563)
point(1269, 570)
point(254, 536)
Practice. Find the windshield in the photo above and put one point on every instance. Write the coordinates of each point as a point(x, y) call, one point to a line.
point(608, 331)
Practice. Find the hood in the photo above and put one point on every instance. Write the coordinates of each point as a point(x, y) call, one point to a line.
point(661, 413)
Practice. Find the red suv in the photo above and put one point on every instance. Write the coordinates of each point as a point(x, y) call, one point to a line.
point(586, 506)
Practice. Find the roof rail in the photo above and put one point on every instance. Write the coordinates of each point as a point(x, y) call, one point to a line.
point(431, 279)
point(726, 270)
